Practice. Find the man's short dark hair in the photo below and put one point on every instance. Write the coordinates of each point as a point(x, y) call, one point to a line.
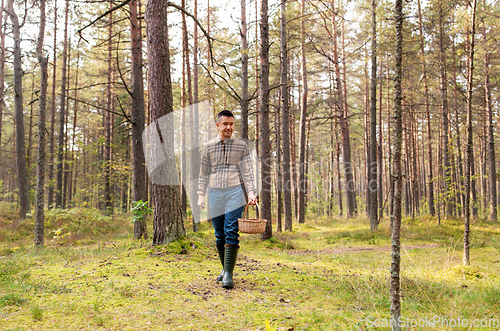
point(226, 113)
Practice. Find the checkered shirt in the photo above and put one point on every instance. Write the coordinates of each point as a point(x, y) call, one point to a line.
point(223, 164)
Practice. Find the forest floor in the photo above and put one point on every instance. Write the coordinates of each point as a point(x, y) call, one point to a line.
point(327, 274)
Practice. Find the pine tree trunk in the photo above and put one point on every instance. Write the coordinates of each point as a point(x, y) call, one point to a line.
point(75, 117)
point(2, 74)
point(184, 103)
point(491, 138)
point(344, 127)
point(52, 116)
point(444, 109)
point(279, 170)
point(195, 133)
point(285, 122)
point(468, 158)
point(398, 175)
point(244, 72)
point(66, 129)
point(458, 142)
point(373, 168)
point(24, 206)
point(108, 196)
point(40, 169)
point(30, 129)
point(167, 224)
point(62, 116)
point(303, 119)
point(380, 151)
point(265, 144)
point(430, 183)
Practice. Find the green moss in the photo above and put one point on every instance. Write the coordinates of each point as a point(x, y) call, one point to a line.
point(326, 275)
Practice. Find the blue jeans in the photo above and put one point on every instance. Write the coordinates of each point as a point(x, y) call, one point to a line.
point(226, 206)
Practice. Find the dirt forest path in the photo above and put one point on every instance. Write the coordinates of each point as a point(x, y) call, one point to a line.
point(357, 249)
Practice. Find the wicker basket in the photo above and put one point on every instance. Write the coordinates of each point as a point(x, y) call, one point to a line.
point(252, 225)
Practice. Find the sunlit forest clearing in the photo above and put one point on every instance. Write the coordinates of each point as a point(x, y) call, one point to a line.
point(328, 274)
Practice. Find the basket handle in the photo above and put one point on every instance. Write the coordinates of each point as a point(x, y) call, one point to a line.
point(258, 208)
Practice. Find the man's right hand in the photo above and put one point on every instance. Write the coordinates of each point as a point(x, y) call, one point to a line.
point(201, 201)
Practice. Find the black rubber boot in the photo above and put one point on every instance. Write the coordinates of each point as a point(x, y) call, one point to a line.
point(230, 254)
point(220, 248)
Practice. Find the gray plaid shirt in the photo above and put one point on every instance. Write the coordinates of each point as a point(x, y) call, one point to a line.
point(225, 164)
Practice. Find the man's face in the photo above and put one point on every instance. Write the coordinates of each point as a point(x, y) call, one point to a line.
point(225, 125)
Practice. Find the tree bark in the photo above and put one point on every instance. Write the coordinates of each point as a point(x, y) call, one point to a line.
point(40, 169)
point(444, 109)
point(430, 183)
point(75, 117)
point(265, 144)
point(244, 72)
point(108, 196)
point(139, 184)
point(398, 176)
point(62, 116)
point(279, 171)
point(167, 224)
point(24, 206)
point(285, 122)
point(52, 116)
point(344, 127)
point(195, 133)
point(470, 73)
point(491, 137)
point(373, 168)
point(303, 119)
point(458, 140)
point(2, 72)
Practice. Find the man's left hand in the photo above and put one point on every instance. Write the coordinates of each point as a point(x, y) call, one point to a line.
point(252, 199)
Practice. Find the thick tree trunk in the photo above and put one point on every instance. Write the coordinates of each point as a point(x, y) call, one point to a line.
point(285, 122)
point(22, 177)
point(372, 166)
point(62, 116)
point(139, 184)
point(468, 174)
point(167, 223)
point(398, 175)
point(265, 144)
point(344, 127)
point(40, 169)
point(52, 116)
point(303, 119)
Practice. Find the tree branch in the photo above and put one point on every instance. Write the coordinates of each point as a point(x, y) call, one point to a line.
point(109, 11)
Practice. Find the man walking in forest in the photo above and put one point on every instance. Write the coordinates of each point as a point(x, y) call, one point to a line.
point(225, 166)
